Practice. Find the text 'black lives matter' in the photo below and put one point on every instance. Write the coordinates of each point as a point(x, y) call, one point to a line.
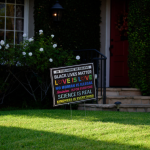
point(73, 84)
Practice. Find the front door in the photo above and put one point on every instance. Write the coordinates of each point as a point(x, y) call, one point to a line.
point(119, 44)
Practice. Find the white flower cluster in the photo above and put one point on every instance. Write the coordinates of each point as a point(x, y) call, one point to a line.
point(30, 54)
point(40, 32)
point(31, 39)
point(24, 35)
point(78, 57)
point(41, 49)
point(54, 45)
point(24, 53)
point(7, 46)
point(52, 35)
point(2, 42)
point(51, 60)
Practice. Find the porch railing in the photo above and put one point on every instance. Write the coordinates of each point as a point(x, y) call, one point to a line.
point(99, 61)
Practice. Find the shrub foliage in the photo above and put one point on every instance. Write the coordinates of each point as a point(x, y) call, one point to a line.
point(139, 45)
point(79, 28)
point(26, 66)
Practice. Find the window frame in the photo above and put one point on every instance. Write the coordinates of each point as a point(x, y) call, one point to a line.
point(25, 18)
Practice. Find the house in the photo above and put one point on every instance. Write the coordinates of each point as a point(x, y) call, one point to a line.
point(16, 18)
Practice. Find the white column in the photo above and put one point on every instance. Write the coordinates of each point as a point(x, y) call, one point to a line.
point(105, 35)
point(26, 17)
point(107, 41)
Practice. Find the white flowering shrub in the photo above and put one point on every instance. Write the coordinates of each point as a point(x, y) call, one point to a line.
point(39, 54)
point(77, 57)
point(40, 32)
point(27, 65)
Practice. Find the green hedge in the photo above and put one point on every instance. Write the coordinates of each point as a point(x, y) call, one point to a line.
point(79, 28)
point(139, 45)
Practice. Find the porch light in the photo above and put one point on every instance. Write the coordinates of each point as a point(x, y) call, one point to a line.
point(57, 10)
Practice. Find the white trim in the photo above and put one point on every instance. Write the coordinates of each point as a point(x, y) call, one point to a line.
point(26, 17)
point(107, 41)
point(5, 25)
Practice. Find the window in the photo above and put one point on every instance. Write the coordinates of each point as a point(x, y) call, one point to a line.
point(12, 20)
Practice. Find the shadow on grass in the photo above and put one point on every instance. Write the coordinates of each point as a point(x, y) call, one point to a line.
point(103, 116)
point(12, 138)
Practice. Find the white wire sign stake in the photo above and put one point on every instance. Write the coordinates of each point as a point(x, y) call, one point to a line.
point(73, 84)
point(71, 111)
point(85, 109)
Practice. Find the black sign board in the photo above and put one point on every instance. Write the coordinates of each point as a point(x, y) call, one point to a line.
point(72, 84)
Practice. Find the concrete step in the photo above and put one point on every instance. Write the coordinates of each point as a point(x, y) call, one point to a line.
point(126, 99)
point(112, 107)
point(130, 98)
point(122, 92)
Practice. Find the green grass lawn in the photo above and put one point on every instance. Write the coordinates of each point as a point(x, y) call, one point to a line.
point(54, 129)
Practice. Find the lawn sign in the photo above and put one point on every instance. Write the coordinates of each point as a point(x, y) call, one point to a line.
point(73, 84)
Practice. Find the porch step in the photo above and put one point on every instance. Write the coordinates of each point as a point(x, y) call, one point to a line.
point(112, 107)
point(130, 98)
point(121, 92)
point(126, 99)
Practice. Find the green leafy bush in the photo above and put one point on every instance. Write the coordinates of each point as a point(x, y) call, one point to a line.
point(79, 28)
point(39, 54)
point(139, 45)
point(28, 65)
